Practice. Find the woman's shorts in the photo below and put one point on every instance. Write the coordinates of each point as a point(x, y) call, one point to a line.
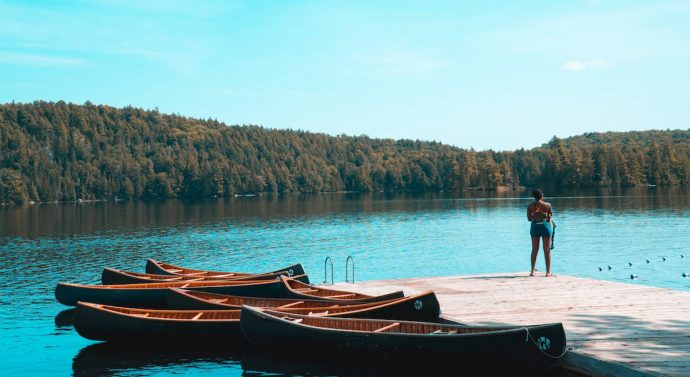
point(540, 229)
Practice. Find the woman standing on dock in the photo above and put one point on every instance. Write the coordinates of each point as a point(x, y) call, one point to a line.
point(540, 213)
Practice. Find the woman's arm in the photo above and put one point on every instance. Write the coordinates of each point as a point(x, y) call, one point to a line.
point(529, 213)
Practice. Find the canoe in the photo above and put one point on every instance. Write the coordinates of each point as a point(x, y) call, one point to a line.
point(112, 276)
point(156, 267)
point(297, 289)
point(536, 346)
point(113, 323)
point(153, 295)
point(422, 307)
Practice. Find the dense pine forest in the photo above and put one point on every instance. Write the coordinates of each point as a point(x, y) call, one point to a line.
point(63, 152)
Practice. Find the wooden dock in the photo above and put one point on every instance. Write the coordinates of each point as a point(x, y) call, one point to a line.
point(644, 328)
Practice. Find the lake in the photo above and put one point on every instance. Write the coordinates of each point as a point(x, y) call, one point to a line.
point(640, 232)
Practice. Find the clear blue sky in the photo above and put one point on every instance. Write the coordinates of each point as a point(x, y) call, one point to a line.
point(479, 74)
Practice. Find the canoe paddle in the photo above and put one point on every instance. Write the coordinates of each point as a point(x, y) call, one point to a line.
point(553, 236)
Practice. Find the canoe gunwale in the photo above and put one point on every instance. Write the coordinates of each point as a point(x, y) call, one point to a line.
point(276, 316)
point(107, 308)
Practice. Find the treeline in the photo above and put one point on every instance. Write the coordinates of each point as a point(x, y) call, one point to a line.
point(59, 151)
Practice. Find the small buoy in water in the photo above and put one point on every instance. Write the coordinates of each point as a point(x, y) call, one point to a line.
point(630, 264)
point(610, 267)
point(633, 277)
point(682, 256)
point(601, 269)
point(685, 275)
point(663, 258)
point(647, 260)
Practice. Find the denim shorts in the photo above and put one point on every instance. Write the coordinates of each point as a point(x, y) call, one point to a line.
point(540, 229)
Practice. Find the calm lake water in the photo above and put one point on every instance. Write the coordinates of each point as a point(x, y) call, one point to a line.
point(389, 236)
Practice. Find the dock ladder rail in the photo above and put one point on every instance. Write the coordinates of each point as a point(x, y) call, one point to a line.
point(347, 264)
point(325, 270)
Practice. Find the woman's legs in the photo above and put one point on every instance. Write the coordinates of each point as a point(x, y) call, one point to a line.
point(547, 254)
point(535, 251)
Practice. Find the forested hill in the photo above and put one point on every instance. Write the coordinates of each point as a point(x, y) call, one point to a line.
point(59, 151)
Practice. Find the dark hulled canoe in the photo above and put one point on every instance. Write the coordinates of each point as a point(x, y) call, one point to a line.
point(153, 295)
point(536, 346)
point(422, 307)
point(111, 276)
point(113, 323)
point(297, 289)
point(161, 268)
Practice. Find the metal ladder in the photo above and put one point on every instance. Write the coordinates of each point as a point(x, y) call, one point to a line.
point(347, 263)
point(325, 271)
point(329, 261)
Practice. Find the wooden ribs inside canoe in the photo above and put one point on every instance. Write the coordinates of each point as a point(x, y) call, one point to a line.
point(161, 268)
point(153, 295)
point(421, 307)
point(298, 289)
point(111, 276)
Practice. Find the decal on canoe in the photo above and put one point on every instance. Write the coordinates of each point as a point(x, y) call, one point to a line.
point(418, 304)
point(544, 343)
point(291, 272)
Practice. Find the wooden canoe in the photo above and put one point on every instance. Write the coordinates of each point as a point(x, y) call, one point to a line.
point(297, 289)
point(153, 295)
point(112, 276)
point(113, 323)
point(535, 346)
point(156, 267)
point(422, 307)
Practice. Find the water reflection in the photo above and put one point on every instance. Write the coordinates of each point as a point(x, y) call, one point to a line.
point(109, 359)
point(71, 219)
point(112, 359)
point(65, 318)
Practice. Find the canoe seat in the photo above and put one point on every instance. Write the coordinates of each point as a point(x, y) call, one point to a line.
point(174, 270)
point(291, 304)
point(295, 320)
point(197, 316)
point(384, 328)
point(185, 286)
point(340, 296)
point(318, 314)
point(195, 273)
point(141, 314)
point(218, 300)
point(223, 275)
point(301, 290)
point(444, 332)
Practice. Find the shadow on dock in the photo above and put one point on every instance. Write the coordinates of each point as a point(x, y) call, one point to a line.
point(638, 343)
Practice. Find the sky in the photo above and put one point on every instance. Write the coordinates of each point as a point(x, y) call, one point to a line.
point(495, 75)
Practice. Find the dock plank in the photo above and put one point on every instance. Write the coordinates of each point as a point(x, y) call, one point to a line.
point(645, 327)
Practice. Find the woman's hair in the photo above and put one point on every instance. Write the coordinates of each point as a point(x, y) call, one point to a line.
point(537, 194)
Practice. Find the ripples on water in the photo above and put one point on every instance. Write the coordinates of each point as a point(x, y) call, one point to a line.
point(389, 236)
